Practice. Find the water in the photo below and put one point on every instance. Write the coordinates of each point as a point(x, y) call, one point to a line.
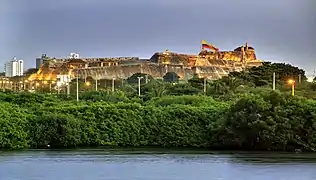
point(154, 164)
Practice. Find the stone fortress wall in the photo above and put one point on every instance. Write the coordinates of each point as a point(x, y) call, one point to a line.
point(206, 64)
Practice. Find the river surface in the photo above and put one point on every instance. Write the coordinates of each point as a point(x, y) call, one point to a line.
point(129, 164)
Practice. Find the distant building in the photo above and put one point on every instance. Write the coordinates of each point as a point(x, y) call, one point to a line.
point(14, 68)
point(40, 61)
point(74, 56)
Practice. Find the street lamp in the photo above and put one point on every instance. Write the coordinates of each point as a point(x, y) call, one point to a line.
point(204, 84)
point(113, 84)
point(139, 78)
point(96, 84)
point(77, 85)
point(87, 83)
point(292, 83)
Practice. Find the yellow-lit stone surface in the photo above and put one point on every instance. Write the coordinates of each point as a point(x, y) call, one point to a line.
point(212, 65)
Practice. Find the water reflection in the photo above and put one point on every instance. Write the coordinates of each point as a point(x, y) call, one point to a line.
point(156, 155)
point(155, 164)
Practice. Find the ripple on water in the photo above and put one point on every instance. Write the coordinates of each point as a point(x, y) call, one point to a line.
point(117, 165)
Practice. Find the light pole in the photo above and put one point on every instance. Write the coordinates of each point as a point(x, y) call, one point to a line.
point(77, 84)
point(96, 84)
point(50, 87)
point(292, 82)
point(139, 78)
point(205, 86)
point(299, 78)
point(273, 86)
point(113, 84)
point(146, 78)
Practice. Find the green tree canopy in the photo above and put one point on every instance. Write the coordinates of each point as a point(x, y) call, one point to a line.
point(263, 75)
point(134, 78)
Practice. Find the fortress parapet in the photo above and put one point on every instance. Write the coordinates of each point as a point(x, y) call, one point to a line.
point(211, 64)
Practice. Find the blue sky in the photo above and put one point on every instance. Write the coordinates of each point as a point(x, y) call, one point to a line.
point(279, 30)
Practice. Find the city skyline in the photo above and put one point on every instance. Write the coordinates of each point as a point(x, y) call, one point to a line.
point(14, 67)
point(281, 31)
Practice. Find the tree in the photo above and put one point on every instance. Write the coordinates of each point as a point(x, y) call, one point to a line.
point(183, 89)
point(171, 77)
point(155, 89)
point(232, 82)
point(262, 75)
point(217, 87)
point(196, 81)
point(134, 78)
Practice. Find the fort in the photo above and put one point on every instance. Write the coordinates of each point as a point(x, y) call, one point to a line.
point(211, 64)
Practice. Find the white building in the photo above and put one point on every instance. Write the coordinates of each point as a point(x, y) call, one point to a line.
point(14, 68)
point(74, 56)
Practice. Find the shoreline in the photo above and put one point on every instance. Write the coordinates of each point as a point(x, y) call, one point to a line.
point(157, 149)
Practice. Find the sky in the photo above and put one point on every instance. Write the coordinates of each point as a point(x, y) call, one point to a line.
point(279, 30)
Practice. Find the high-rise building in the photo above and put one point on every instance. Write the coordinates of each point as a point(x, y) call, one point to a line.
point(14, 68)
point(40, 61)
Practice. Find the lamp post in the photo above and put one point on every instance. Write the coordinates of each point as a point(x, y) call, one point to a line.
point(96, 84)
point(113, 83)
point(273, 81)
point(77, 81)
point(292, 83)
point(204, 86)
point(299, 78)
point(146, 78)
point(139, 78)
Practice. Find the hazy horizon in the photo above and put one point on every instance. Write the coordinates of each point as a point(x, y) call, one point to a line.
point(280, 31)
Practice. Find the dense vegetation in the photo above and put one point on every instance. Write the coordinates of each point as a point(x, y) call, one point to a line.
point(238, 112)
